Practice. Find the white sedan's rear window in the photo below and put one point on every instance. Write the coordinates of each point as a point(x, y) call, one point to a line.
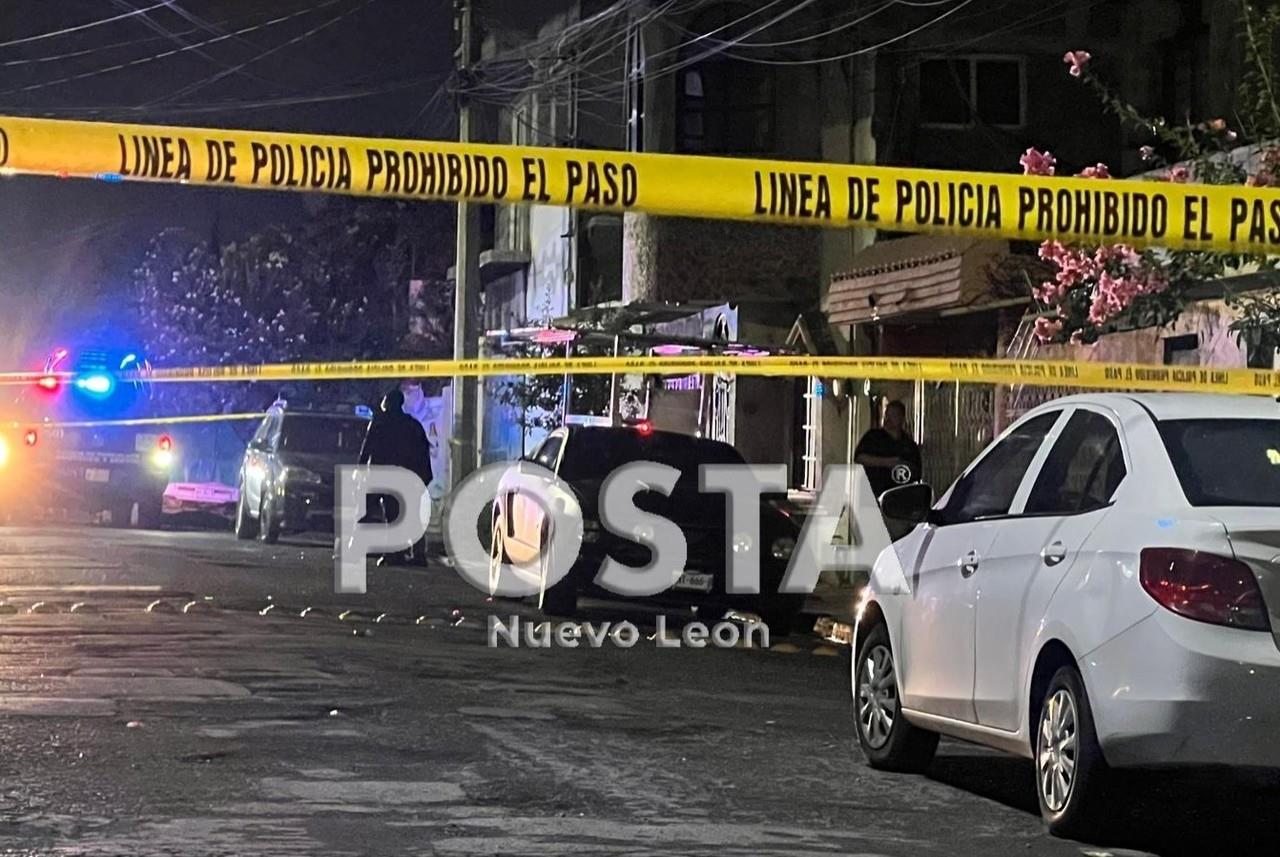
point(1225, 462)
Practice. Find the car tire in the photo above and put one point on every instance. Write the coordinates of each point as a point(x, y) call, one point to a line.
point(121, 514)
point(1071, 772)
point(268, 523)
point(149, 514)
point(497, 554)
point(888, 741)
point(246, 527)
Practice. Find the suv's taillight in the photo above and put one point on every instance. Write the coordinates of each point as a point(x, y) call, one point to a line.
point(1205, 587)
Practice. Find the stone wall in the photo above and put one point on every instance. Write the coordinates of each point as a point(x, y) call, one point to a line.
point(681, 259)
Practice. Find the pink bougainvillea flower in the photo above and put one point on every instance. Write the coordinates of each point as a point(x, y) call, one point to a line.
point(1052, 251)
point(1077, 60)
point(1097, 171)
point(1047, 328)
point(1037, 163)
point(1179, 173)
point(1146, 152)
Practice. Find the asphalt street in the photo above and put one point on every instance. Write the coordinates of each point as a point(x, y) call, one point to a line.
point(164, 693)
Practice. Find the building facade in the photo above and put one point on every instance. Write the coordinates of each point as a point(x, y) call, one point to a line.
point(962, 86)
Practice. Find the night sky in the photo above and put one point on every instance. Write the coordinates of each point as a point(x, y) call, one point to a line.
point(363, 67)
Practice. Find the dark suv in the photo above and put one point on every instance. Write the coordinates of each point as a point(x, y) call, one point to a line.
point(286, 479)
point(583, 457)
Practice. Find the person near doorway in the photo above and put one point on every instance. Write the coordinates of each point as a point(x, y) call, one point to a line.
point(397, 439)
point(888, 453)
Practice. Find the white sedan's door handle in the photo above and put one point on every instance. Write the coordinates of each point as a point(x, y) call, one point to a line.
point(1054, 553)
point(969, 563)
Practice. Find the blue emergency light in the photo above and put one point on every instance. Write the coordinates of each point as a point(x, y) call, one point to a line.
point(98, 384)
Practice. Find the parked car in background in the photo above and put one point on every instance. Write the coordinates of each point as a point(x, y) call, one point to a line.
point(582, 457)
point(1100, 589)
point(286, 480)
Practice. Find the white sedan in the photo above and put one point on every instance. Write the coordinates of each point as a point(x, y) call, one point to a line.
point(1099, 589)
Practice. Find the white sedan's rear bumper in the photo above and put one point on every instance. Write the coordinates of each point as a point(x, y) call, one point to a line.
point(1172, 691)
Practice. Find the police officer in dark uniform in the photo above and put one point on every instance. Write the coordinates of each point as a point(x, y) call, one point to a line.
point(398, 440)
point(888, 454)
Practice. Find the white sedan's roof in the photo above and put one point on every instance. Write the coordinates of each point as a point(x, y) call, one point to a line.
point(1181, 406)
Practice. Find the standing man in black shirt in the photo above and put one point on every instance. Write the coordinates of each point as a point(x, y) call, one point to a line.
point(889, 455)
point(397, 439)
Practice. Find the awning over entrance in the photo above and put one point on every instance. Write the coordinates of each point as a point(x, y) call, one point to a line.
point(921, 273)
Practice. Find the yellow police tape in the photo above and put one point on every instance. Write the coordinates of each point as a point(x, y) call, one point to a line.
point(1036, 373)
point(140, 421)
point(985, 205)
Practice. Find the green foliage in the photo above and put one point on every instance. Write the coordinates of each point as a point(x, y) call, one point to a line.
point(332, 289)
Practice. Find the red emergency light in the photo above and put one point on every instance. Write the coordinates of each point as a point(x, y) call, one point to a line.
point(48, 382)
point(165, 443)
point(31, 438)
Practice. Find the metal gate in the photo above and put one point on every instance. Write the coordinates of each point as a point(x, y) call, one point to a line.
point(954, 422)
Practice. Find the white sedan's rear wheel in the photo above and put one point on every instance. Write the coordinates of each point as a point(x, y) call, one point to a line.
point(497, 555)
point(888, 740)
point(1070, 770)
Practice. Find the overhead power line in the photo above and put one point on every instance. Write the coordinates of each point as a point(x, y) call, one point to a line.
point(80, 27)
point(169, 53)
point(860, 51)
point(190, 88)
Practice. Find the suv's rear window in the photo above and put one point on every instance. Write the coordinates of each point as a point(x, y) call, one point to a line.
point(323, 435)
point(1225, 462)
point(595, 454)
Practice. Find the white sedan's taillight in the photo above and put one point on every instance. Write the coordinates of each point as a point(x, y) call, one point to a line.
point(1205, 587)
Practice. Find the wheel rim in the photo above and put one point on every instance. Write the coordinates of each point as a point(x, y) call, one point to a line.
point(877, 696)
point(1056, 753)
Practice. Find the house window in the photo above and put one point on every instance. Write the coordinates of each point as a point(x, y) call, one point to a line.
point(965, 91)
point(726, 106)
point(1182, 350)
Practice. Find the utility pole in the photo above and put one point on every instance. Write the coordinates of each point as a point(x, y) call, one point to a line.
point(466, 333)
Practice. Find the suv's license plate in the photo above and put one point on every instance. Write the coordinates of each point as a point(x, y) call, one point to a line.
point(694, 581)
point(94, 474)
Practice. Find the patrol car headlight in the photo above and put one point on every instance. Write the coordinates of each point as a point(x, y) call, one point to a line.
point(4, 452)
point(782, 547)
point(162, 459)
point(301, 475)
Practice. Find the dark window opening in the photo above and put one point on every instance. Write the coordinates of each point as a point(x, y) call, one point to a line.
point(726, 106)
point(972, 90)
point(1182, 350)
